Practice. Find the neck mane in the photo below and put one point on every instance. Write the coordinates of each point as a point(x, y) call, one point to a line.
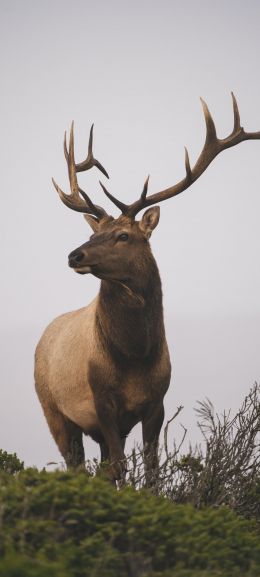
point(130, 314)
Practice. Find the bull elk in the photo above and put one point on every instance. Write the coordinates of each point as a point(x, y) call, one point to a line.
point(102, 369)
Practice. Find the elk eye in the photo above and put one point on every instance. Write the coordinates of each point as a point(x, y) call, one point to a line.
point(123, 236)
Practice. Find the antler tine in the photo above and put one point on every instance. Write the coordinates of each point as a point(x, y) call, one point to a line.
point(211, 135)
point(237, 125)
point(71, 166)
point(90, 160)
point(187, 164)
point(212, 147)
point(145, 188)
point(123, 207)
point(73, 200)
point(90, 142)
point(143, 196)
point(93, 207)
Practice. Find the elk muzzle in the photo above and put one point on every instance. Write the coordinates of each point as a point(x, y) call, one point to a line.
point(77, 260)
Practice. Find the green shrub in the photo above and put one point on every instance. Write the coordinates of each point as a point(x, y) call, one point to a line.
point(10, 463)
point(18, 566)
point(66, 525)
point(200, 518)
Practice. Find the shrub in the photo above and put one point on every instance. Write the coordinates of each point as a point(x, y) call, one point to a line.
point(226, 471)
point(199, 518)
point(10, 463)
point(69, 525)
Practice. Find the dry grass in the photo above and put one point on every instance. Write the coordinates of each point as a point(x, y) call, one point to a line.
point(223, 470)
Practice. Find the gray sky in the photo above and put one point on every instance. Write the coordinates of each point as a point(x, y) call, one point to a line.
point(137, 70)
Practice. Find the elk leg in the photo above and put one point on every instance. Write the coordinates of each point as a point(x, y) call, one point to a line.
point(67, 436)
point(113, 448)
point(106, 404)
point(151, 425)
point(104, 451)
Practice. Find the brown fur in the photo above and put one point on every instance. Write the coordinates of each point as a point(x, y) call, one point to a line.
point(104, 368)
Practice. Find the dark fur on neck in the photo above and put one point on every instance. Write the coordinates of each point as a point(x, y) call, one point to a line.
point(130, 314)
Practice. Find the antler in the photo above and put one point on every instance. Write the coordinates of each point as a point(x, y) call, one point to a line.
point(212, 147)
point(90, 160)
point(74, 199)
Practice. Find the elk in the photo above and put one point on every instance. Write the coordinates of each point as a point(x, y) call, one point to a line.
point(102, 369)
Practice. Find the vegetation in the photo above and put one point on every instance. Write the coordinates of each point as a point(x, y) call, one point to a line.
point(200, 518)
point(225, 471)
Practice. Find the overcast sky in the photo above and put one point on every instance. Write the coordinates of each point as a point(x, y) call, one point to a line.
point(136, 69)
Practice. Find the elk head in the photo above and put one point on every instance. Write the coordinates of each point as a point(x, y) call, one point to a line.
point(111, 253)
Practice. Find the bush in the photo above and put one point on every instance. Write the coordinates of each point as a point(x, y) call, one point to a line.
point(65, 525)
point(225, 471)
point(10, 463)
point(200, 517)
point(18, 566)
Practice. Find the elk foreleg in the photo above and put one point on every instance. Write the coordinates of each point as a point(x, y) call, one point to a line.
point(104, 450)
point(107, 404)
point(151, 426)
point(113, 446)
point(67, 436)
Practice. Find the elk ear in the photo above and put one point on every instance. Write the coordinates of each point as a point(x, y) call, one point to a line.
point(92, 221)
point(150, 220)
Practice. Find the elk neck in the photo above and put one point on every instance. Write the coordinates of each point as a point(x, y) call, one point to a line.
point(130, 313)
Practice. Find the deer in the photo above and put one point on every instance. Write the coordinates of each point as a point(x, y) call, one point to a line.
point(104, 368)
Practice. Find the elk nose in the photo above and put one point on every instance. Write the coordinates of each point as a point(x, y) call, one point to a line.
point(75, 258)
